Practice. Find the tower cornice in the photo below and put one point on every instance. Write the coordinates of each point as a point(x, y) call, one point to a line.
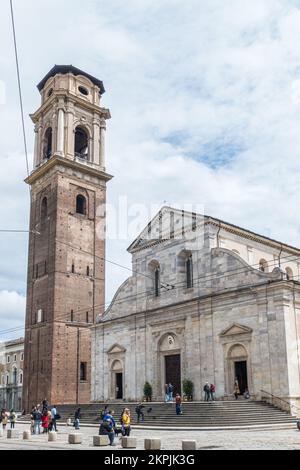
point(57, 160)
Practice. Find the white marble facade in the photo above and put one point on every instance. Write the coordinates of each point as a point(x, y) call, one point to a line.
point(237, 312)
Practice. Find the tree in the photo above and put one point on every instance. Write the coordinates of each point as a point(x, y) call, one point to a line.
point(188, 389)
point(148, 391)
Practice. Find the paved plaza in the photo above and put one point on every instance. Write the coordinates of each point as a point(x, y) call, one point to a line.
point(171, 440)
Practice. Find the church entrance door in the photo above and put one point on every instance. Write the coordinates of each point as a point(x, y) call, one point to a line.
point(241, 375)
point(119, 386)
point(173, 372)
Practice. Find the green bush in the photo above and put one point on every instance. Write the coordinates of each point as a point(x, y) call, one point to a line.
point(188, 389)
point(148, 391)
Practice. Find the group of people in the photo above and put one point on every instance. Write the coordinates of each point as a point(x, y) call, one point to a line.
point(209, 392)
point(109, 426)
point(43, 418)
point(8, 417)
point(169, 391)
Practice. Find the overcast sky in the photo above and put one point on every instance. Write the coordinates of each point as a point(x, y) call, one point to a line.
point(205, 103)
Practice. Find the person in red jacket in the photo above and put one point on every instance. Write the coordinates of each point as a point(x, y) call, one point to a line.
point(45, 422)
point(212, 392)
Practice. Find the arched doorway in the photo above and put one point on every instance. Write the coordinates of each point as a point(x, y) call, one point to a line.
point(117, 380)
point(238, 368)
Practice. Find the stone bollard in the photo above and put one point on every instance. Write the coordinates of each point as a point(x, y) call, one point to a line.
point(52, 437)
point(152, 444)
point(129, 443)
point(189, 445)
point(101, 441)
point(75, 438)
point(12, 434)
point(26, 435)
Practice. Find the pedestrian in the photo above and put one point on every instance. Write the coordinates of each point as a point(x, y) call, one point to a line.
point(45, 422)
point(126, 423)
point(170, 391)
point(140, 413)
point(236, 389)
point(213, 392)
point(77, 419)
point(178, 402)
point(4, 419)
point(107, 429)
point(12, 419)
point(206, 390)
point(166, 393)
point(37, 418)
point(54, 417)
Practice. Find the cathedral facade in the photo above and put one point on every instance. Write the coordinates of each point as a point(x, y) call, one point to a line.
point(207, 302)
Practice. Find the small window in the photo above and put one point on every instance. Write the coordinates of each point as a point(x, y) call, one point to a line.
point(15, 358)
point(88, 271)
point(8, 360)
point(83, 91)
point(189, 273)
point(83, 372)
point(22, 357)
point(81, 205)
point(73, 268)
point(87, 317)
point(50, 92)
point(157, 282)
point(72, 316)
point(21, 379)
point(44, 209)
point(40, 316)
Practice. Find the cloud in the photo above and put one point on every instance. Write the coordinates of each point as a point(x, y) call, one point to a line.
point(205, 100)
point(12, 314)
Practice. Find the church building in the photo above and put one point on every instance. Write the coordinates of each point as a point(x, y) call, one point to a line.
point(207, 302)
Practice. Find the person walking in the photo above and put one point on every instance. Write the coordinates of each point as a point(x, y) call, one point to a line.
point(12, 419)
point(77, 419)
point(140, 413)
point(213, 392)
point(45, 422)
point(170, 391)
point(54, 419)
point(37, 418)
point(178, 401)
point(236, 389)
point(4, 419)
point(126, 418)
point(206, 390)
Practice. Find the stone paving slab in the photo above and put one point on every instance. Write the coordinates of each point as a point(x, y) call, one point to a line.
point(171, 440)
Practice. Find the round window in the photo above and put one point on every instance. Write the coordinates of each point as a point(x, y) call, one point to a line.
point(83, 91)
point(50, 92)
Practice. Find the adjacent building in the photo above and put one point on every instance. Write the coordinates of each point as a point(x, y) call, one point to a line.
point(11, 374)
point(208, 302)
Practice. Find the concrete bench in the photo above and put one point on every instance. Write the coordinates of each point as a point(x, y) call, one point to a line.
point(12, 434)
point(189, 445)
point(52, 437)
point(75, 438)
point(26, 435)
point(129, 443)
point(152, 444)
point(101, 441)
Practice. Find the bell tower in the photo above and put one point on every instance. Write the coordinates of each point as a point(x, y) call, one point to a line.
point(66, 269)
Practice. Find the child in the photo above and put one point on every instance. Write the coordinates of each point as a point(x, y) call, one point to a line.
point(45, 422)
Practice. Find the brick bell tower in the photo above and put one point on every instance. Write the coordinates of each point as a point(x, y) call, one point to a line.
point(66, 275)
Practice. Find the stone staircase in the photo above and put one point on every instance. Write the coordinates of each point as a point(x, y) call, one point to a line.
point(217, 414)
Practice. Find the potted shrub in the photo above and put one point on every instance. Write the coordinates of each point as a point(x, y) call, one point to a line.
point(148, 391)
point(188, 389)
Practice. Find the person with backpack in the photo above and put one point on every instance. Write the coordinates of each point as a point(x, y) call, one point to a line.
point(12, 419)
point(107, 428)
point(140, 413)
point(77, 419)
point(206, 390)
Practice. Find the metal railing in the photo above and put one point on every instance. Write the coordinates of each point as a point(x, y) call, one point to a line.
point(280, 403)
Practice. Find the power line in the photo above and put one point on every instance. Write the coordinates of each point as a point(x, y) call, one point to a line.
point(19, 85)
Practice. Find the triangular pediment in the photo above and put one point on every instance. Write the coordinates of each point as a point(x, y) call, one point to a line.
point(116, 349)
point(168, 221)
point(236, 329)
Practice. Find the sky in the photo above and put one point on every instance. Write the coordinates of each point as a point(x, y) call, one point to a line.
point(205, 103)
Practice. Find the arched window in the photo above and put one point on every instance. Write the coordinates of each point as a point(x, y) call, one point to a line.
point(81, 143)
point(289, 274)
point(157, 282)
point(47, 144)
point(88, 271)
point(263, 266)
point(81, 205)
point(15, 373)
point(189, 272)
point(44, 209)
point(21, 379)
